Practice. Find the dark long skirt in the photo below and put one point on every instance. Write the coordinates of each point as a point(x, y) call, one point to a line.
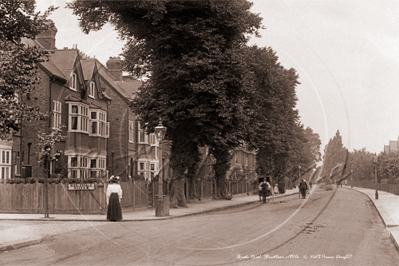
point(303, 192)
point(114, 208)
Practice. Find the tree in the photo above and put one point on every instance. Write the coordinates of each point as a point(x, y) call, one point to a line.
point(334, 153)
point(313, 145)
point(190, 52)
point(360, 162)
point(18, 63)
point(274, 125)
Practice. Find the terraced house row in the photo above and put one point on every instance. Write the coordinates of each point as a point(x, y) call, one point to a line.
point(88, 102)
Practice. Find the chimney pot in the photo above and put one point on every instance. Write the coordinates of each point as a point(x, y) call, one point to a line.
point(114, 65)
point(47, 38)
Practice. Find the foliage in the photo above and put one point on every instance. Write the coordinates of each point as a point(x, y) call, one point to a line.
point(191, 52)
point(334, 154)
point(387, 167)
point(274, 127)
point(18, 63)
point(360, 162)
point(47, 143)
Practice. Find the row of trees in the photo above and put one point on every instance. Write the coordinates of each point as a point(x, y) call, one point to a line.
point(209, 88)
point(359, 164)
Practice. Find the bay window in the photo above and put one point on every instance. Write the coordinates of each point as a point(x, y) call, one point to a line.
point(99, 124)
point(78, 117)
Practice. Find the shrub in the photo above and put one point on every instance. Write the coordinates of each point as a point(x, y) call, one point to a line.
point(322, 185)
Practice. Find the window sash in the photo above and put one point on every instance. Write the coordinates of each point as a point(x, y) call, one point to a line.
point(131, 132)
point(92, 89)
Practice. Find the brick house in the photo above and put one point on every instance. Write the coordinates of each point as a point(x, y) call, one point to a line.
point(131, 150)
point(242, 164)
point(70, 91)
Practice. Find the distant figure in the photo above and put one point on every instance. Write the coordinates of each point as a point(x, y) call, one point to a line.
point(303, 187)
point(265, 190)
point(114, 196)
point(281, 187)
point(310, 184)
point(260, 189)
point(275, 189)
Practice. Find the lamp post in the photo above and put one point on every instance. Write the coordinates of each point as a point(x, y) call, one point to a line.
point(375, 174)
point(160, 208)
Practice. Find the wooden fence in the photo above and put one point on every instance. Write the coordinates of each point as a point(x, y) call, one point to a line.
point(31, 198)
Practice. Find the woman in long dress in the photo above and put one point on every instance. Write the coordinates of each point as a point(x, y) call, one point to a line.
point(114, 196)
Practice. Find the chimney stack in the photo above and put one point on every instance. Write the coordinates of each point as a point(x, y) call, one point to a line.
point(47, 38)
point(114, 65)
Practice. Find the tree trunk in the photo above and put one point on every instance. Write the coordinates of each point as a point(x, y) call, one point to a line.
point(221, 167)
point(176, 194)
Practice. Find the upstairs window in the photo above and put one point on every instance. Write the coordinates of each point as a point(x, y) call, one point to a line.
point(143, 137)
point(56, 114)
point(78, 118)
point(153, 139)
point(74, 82)
point(99, 124)
point(131, 135)
point(92, 89)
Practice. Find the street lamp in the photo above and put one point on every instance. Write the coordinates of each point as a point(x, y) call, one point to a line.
point(161, 209)
point(375, 174)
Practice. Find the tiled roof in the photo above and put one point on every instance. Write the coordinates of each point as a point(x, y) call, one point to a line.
point(130, 87)
point(49, 65)
point(88, 68)
point(64, 60)
point(125, 88)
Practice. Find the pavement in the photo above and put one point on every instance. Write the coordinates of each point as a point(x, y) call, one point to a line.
point(14, 236)
point(387, 206)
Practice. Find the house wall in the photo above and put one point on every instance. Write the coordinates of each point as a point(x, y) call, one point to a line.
point(120, 150)
point(39, 97)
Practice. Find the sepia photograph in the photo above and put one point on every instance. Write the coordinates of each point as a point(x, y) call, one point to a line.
point(199, 132)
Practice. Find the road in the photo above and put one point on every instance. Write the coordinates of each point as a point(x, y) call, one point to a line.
point(330, 228)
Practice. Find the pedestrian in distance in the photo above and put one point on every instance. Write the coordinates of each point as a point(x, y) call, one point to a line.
point(281, 187)
point(265, 190)
point(275, 190)
point(114, 196)
point(310, 184)
point(260, 189)
point(303, 186)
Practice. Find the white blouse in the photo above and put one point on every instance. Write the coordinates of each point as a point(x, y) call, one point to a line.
point(114, 188)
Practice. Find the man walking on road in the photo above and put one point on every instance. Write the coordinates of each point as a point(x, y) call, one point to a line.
point(303, 187)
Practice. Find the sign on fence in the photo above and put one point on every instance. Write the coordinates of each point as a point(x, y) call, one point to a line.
point(81, 187)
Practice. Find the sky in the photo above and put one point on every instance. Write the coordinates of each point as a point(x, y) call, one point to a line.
point(346, 54)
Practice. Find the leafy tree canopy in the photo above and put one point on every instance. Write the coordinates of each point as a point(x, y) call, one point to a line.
point(334, 153)
point(18, 63)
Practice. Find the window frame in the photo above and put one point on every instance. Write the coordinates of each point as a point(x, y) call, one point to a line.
point(131, 131)
point(57, 114)
point(92, 89)
point(99, 123)
point(82, 117)
point(74, 78)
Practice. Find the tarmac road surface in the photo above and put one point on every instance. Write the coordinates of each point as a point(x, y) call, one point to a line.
point(329, 228)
